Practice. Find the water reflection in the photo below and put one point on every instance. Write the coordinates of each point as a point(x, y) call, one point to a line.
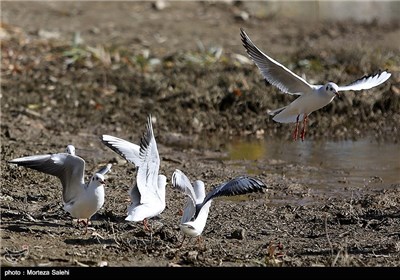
point(357, 163)
point(340, 169)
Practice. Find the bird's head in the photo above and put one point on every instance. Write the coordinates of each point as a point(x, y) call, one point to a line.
point(332, 89)
point(98, 178)
point(70, 150)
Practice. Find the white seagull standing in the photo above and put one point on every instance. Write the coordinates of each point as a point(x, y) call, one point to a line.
point(311, 97)
point(148, 194)
point(82, 200)
point(197, 207)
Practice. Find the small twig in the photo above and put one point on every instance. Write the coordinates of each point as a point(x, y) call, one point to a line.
point(222, 248)
point(327, 235)
point(183, 240)
point(44, 264)
point(97, 236)
point(360, 261)
point(151, 233)
point(380, 256)
point(336, 258)
point(30, 218)
point(80, 264)
point(344, 233)
point(49, 233)
point(113, 232)
point(12, 212)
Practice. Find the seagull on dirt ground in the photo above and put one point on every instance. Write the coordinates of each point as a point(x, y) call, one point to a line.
point(311, 97)
point(198, 204)
point(148, 193)
point(82, 200)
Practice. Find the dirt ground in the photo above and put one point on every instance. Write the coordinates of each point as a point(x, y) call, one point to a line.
point(73, 71)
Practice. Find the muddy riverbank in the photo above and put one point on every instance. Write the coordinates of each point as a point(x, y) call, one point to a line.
point(73, 71)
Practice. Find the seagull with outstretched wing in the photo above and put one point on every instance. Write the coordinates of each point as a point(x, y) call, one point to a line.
point(148, 193)
point(311, 97)
point(82, 200)
point(198, 204)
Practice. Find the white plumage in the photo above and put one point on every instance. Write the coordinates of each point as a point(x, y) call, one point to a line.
point(82, 200)
point(311, 97)
point(198, 204)
point(148, 193)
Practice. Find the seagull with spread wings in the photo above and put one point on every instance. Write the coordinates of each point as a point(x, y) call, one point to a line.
point(311, 97)
point(82, 200)
point(148, 193)
point(198, 204)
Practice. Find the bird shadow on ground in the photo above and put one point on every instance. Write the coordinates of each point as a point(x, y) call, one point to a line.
point(91, 240)
point(21, 226)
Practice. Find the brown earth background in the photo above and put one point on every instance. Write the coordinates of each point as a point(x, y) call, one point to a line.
point(72, 71)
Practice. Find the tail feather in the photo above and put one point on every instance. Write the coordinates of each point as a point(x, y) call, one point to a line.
point(276, 111)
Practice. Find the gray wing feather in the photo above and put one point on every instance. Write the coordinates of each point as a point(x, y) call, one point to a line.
point(147, 175)
point(135, 196)
point(181, 182)
point(199, 190)
point(68, 168)
point(274, 72)
point(105, 169)
point(237, 186)
point(125, 149)
point(367, 81)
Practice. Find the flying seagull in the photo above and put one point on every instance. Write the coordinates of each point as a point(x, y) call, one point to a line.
point(311, 97)
point(82, 200)
point(198, 204)
point(148, 193)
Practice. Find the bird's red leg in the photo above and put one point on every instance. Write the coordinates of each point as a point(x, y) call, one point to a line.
point(146, 225)
point(200, 242)
point(296, 131)
point(184, 237)
point(79, 221)
point(85, 223)
point(303, 131)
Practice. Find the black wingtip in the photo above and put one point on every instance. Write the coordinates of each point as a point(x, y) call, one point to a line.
point(237, 186)
point(243, 36)
point(247, 43)
point(105, 169)
point(256, 184)
point(111, 147)
point(176, 185)
point(377, 73)
point(11, 161)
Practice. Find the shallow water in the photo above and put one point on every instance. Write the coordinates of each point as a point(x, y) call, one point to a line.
point(332, 168)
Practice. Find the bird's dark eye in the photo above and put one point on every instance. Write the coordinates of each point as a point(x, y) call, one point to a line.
point(327, 87)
